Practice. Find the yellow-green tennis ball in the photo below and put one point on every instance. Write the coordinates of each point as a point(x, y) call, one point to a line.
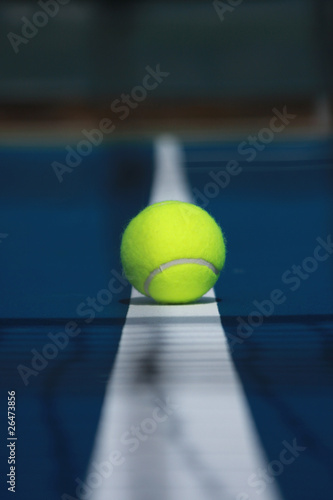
point(173, 252)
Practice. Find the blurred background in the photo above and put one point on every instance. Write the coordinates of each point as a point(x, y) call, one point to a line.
point(226, 59)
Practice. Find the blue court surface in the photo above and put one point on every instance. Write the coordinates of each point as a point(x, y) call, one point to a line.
point(65, 306)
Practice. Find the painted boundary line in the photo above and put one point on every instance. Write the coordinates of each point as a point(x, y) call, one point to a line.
point(175, 422)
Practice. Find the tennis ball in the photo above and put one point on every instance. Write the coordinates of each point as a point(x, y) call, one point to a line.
point(173, 252)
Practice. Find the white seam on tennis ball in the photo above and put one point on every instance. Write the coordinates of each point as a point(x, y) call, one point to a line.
point(177, 262)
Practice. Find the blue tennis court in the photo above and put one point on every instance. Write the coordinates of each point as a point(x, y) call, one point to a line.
point(66, 305)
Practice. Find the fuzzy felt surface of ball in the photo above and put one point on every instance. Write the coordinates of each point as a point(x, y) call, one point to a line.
point(173, 252)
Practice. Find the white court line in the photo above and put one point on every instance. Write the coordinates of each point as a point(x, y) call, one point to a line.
point(202, 444)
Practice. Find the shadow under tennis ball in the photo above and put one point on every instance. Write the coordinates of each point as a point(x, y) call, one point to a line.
point(146, 301)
